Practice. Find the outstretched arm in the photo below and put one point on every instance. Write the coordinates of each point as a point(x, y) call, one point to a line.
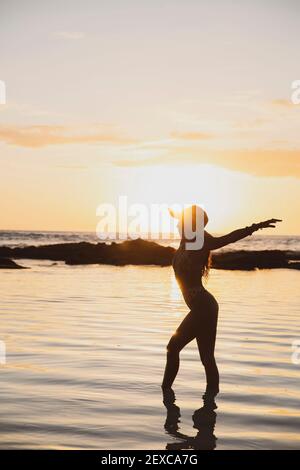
point(213, 243)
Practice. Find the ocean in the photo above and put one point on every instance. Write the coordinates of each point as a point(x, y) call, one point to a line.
point(255, 242)
point(85, 354)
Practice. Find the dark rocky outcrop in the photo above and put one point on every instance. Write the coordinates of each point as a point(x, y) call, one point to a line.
point(6, 263)
point(248, 260)
point(138, 252)
point(141, 252)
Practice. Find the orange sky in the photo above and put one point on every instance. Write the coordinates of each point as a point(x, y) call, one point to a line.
point(173, 102)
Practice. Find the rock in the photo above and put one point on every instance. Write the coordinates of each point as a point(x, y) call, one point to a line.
point(248, 260)
point(294, 265)
point(6, 263)
point(142, 252)
point(138, 252)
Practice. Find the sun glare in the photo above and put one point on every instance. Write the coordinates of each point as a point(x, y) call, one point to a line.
point(218, 191)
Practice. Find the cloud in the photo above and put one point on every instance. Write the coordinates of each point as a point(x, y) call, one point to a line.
point(72, 167)
point(263, 162)
point(283, 103)
point(191, 135)
point(45, 135)
point(251, 123)
point(69, 34)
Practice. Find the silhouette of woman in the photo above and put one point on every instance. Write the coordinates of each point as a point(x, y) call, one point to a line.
point(190, 265)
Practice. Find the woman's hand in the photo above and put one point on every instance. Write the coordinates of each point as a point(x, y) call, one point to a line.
point(266, 224)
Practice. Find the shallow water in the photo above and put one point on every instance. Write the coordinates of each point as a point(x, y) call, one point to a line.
point(86, 351)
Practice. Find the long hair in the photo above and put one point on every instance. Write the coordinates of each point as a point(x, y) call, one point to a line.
point(193, 212)
point(206, 266)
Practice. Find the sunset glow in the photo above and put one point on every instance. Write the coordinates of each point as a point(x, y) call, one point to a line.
point(116, 109)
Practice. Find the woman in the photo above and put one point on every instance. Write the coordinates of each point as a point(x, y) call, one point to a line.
point(190, 265)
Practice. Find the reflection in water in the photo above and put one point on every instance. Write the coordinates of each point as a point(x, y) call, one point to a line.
point(53, 319)
point(204, 421)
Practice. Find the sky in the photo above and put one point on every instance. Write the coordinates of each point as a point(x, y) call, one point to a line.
point(161, 101)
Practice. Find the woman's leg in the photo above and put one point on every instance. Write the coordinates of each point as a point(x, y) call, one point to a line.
point(206, 339)
point(183, 335)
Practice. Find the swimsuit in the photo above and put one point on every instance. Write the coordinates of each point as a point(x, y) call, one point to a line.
point(188, 268)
